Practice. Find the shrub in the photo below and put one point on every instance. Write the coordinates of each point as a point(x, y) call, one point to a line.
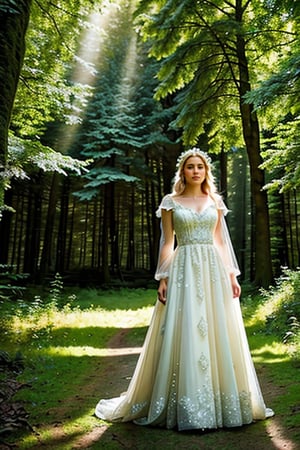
point(284, 297)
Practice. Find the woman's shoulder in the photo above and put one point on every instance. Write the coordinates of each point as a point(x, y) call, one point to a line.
point(167, 203)
point(218, 199)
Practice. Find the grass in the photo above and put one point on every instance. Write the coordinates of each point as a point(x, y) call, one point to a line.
point(63, 346)
point(64, 337)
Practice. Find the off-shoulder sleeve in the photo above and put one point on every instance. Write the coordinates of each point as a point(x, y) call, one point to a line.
point(225, 247)
point(165, 254)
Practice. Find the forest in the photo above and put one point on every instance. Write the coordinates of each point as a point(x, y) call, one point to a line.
point(98, 99)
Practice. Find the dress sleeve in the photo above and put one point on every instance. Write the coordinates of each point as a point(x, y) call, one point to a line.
point(224, 245)
point(165, 254)
point(166, 203)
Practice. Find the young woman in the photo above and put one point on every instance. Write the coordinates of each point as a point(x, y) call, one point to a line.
point(195, 370)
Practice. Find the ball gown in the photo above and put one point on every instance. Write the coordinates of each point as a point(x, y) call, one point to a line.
point(195, 369)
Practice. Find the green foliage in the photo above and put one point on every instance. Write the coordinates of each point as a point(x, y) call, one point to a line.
point(280, 85)
point(26, 155)
point(11, 6)
point(282, 156)
point(75, 354)
point(122, 120)
point(56, 289)
point(200, 59)
point(100, 176)
point(45, 86)
point(10, 283)
point(284, 320)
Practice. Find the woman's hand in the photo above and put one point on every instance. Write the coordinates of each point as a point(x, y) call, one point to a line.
point(236, 288)
point(162, 290)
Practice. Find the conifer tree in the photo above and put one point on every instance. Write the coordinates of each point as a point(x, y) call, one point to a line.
point(210, 52)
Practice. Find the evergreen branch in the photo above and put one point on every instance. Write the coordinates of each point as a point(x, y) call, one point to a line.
point(204, 60)
point(50, 16)
point(223, 47)
point(59, 8)
point(271, 30)
point(246, 5)
point(215, 96)
point(218, 8)
point(53, 20)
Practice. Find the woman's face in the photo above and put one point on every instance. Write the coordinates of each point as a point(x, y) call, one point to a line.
point(194, 171)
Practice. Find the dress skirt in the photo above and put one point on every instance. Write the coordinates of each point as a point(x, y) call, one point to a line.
point(195, 370)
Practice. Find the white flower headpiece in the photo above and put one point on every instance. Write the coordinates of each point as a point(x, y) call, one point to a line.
point(192, 152)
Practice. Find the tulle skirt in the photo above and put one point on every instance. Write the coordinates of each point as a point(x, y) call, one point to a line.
point(195, 370)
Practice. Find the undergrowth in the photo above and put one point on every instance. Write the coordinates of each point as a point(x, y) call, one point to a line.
point(63, 335)
point(281, 304)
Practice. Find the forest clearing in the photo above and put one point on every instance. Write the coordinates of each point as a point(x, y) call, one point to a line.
point(99, 99)
point(85, 347)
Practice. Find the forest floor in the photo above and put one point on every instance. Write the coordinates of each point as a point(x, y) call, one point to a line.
point(114, 376)
point(74, 357)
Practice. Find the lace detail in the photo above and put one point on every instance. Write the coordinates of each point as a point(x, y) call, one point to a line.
point(136, 408)
point(198, 413)
point(202, 326)
point(209, 410)
point(172, 404)
point(203, 361)
point(193, 228)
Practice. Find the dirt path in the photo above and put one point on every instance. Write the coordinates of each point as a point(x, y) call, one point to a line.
point(115, 375)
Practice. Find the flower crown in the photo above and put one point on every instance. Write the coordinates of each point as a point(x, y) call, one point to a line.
point(192, 152)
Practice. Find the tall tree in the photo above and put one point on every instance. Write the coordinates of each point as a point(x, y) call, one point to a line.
point(210, 52)
point(44, 93)
point(14, 18)
point(123, 127)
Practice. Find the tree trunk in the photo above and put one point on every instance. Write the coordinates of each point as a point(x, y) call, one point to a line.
point(131, 237)
point(12, 49)
point(47, 252)
point(5, 228)
point(62, 229)
point(296, 215)
point(223, 174)
point(263, 265)
point(33, 226)
point(105, 234)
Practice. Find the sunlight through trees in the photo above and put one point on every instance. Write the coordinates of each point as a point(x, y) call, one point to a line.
point(109, 94)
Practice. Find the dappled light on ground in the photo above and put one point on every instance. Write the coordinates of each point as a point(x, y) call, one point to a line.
point(92, 351)
point(75, 320)
point(278, 436)
point(79, 354)
point(270, 353)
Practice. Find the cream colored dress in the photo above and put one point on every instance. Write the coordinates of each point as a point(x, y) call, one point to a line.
point(195, 370)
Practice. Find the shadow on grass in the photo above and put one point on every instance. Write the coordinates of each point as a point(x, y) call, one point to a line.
point(72, 368)
point(111, 300)
point(67, 388)
point(89, 337)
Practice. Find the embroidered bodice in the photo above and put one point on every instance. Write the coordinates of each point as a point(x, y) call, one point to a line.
point(192, 227)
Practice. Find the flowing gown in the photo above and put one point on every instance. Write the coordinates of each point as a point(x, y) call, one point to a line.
point(195, 370)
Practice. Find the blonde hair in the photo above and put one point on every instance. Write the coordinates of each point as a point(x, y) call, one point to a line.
point(208, 185)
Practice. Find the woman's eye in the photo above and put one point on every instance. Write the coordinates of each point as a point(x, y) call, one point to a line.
point(192, 167)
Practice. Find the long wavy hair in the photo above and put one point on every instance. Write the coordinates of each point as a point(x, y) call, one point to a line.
point(208, 185)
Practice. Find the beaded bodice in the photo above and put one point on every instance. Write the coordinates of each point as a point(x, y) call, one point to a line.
point(192, 227)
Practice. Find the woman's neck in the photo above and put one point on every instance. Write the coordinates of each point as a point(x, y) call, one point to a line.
point(193, 193)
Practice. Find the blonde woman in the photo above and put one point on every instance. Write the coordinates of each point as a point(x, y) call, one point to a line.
point(195, 370)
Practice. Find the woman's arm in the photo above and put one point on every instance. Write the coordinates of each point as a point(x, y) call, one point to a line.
point(165, 253)
point(225, 254)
